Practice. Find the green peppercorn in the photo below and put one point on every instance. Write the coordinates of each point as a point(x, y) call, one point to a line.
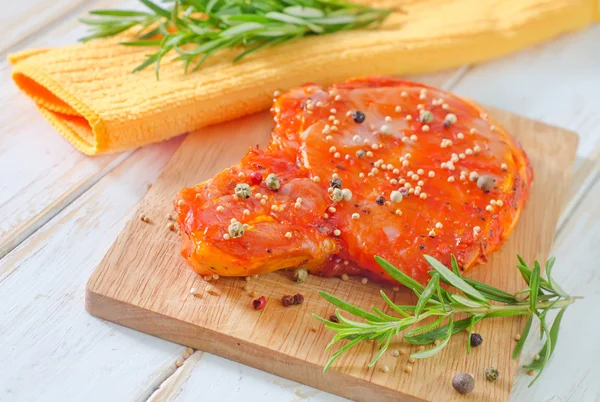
point(300, 275)
point(426, 116)
point(272, 182)
point(243, 190)
point(492, 373)
point(336, 195)
point(236, 229)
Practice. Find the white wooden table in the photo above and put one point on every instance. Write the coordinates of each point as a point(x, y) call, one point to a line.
point(60, 211)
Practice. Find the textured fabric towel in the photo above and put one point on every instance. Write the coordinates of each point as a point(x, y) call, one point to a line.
point(90, 95)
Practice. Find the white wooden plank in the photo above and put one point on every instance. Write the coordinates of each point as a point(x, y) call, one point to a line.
point(21, 19)
point(573, 372)
point(557, 83)
point(52, 349)
point(40, 172)
point(230, 381)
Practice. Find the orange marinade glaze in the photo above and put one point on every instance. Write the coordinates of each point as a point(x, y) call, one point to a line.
point(416, 141)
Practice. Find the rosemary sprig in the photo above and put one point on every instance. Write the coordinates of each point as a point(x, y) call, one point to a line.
point(442, 306)
point(197, 29)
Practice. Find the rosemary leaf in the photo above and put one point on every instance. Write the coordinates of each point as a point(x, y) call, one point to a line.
point(521, 342)
point(454, 265)
point(557, 289)
point(534, 285)
point(381, 350)
point(424, 328)
point(337, 354)
point(427, 293)
point(438, 348)
point(394, 306)
point(438, 333)
point(348, 307)
point(491, 292)
point(471, 325)
point(455, 280)
point(400, 276)
point(466, 302)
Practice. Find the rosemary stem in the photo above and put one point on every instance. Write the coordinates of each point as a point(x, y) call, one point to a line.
point(523, 307)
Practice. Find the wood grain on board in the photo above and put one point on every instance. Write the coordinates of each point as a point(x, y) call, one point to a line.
point(143, 283)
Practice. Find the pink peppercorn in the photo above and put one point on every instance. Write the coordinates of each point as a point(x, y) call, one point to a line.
point(259, 303)
point(256, 178)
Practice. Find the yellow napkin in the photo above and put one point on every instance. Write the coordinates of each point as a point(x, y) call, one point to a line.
point(88, 92)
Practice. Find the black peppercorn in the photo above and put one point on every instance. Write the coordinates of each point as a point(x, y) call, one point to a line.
point(335, 182)
point(333, 318)
point(358, 116)
point(476, 339)
point(380, 200)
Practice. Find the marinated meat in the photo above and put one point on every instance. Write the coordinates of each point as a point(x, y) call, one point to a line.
point(372, 166)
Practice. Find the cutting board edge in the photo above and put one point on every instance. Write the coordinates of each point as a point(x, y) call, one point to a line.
point(237, 350)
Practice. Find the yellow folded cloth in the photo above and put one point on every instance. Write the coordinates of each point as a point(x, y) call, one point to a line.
point(90, 95)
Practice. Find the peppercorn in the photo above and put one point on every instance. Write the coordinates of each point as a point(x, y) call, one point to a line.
point(256, 178)
point(289, 300)
point(426, 116)
point(358, 117)
point(336, 195)
point(336, 182)
point(259, 303)
point(361, 154)
point(485, 183)
point(272, 182)
point(492, 373)
point(243, 190)
point(449, 120)
point(463, 383)
point(380, 200)
point(300, 275)
point(333, 318)
point(476, 339)
point(236, 229)
point(347, 194)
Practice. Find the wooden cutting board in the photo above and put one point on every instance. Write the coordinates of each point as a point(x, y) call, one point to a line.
point(144, 283)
